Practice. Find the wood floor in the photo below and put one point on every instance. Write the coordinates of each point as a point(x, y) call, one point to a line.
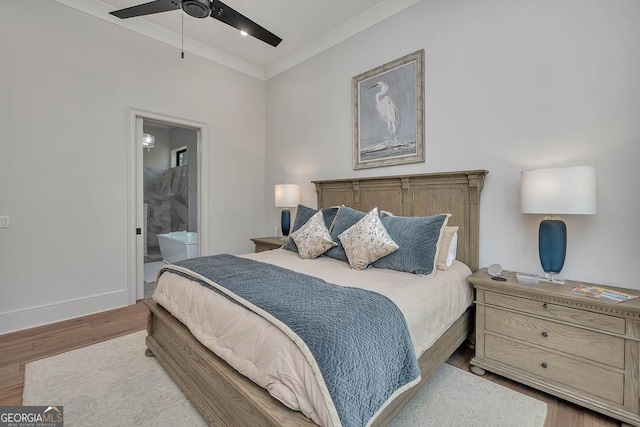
point(19, 348)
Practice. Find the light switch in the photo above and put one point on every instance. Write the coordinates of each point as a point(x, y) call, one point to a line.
point(4, 222)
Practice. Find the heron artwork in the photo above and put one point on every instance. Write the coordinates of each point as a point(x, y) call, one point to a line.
point(387, 111)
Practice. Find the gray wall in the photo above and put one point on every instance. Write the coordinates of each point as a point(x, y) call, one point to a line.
point(509, 85)
point(66, 81)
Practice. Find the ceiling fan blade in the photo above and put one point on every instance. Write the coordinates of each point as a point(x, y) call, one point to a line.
point(147, 8)
point(224, 13)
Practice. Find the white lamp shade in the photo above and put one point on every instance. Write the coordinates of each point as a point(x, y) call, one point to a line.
point(570, 190)
point(287, 195)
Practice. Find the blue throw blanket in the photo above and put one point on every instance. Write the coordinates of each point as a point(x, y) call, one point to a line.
point(359, 338)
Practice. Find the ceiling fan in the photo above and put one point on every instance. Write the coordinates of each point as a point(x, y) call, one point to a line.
point(201, 9)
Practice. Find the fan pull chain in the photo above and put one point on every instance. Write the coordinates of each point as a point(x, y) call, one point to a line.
point(182, 38)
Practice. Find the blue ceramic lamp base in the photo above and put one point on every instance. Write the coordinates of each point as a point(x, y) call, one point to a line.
point(552, 247)
point(285, 222)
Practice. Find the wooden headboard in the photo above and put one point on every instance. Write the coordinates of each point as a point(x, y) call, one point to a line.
point(457, 193)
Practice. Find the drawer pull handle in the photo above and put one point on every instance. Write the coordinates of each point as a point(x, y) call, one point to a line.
point(544, 365)
point(544, 334)
point(544, 305)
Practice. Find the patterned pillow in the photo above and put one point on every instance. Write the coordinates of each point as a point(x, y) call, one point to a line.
point(303, 215)
point(366, 241)
point(418, 239)
point(313, 238)
point(346, 218)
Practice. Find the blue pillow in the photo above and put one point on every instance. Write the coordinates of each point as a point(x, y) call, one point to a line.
point(345, 219)
point(303, 215)
point(418, 241)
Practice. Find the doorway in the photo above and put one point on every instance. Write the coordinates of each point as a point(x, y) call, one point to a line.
point(170, 196)
point(168, 199)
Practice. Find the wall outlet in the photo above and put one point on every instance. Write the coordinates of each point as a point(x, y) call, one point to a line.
point(4, 222)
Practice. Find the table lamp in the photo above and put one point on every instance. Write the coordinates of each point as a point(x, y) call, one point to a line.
point(561, 190)
point(287, 196)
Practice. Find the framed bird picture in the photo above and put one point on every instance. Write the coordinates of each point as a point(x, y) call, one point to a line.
point(388, 113)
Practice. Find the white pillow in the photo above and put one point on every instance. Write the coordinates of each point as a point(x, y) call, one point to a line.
point(366, 241)
point(446, 247)
point(313, 238)
point(453, 249)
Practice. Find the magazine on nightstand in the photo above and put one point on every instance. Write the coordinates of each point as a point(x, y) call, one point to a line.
point(603, 294)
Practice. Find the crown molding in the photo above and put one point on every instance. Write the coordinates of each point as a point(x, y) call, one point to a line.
point(141, 26)
point(365, 20)
point(355, 25)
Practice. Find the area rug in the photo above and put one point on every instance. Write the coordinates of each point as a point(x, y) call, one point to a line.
point(113, 384)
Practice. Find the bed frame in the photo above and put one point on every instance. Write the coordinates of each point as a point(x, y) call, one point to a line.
point(226, 398)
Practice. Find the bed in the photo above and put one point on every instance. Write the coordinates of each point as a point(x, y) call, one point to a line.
point(225, 397)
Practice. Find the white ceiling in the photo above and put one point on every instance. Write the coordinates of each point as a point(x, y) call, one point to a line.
point(307, 28)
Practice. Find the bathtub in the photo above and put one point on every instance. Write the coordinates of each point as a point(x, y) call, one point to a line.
point(178, 245)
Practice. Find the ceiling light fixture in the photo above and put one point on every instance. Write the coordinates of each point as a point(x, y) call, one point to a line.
point(148, 141)
point(244, 33)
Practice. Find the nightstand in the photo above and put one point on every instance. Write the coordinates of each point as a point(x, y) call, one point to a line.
point(268, 243)
point(578, 348)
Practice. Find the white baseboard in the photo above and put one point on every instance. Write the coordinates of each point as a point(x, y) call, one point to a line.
point(17, 320)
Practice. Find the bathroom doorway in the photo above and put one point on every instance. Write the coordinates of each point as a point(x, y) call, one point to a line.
point(170, 194)
point(168, 199)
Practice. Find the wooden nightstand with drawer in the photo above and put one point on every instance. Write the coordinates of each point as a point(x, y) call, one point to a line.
point(267, 243)
point(578, 348)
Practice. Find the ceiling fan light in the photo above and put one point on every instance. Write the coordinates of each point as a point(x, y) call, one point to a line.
point(197, 8)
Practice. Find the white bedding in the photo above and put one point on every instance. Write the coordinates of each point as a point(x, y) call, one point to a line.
point(263, 353)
